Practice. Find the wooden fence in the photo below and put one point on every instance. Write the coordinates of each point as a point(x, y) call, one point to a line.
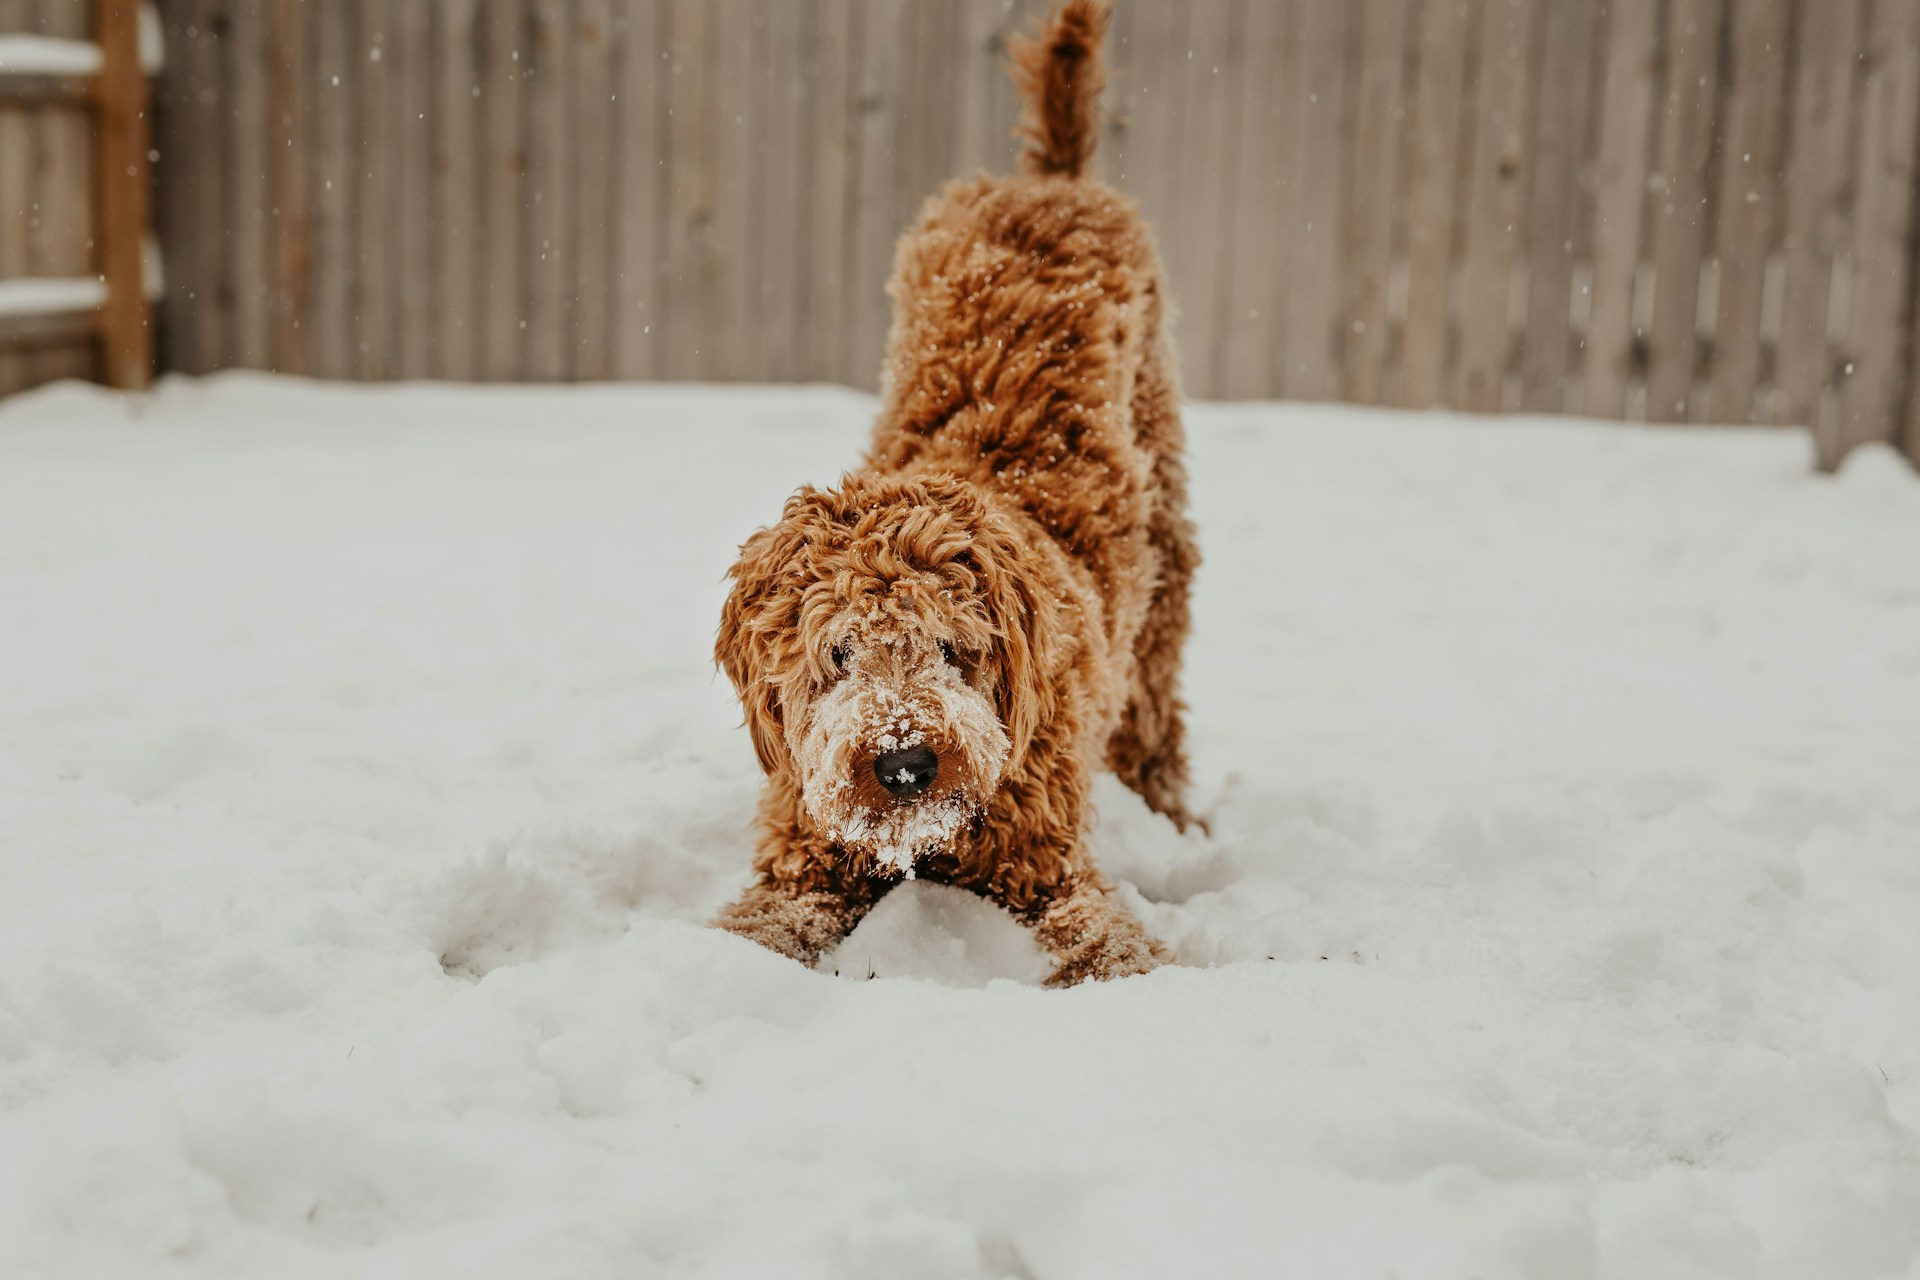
point(1685, 210)
point(46, 193)
point(74, 146)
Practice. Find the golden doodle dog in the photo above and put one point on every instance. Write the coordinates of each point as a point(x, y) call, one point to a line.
point(936, 656)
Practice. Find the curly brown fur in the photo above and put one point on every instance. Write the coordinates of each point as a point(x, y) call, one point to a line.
point(1060, 80)
point(1092, 936)
point(1002, 586)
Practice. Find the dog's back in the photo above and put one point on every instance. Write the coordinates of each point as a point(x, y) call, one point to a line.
point(1028, 351)
point(1029, 356)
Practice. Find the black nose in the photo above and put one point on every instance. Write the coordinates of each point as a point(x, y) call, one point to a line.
point(906, 773)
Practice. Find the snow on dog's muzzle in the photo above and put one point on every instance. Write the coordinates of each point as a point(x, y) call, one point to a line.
point(895, 777)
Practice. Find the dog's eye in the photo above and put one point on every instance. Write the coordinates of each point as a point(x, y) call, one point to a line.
point(842, 655)
point(946, 652)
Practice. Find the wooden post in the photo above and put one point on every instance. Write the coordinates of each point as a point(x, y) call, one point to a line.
point(126, 324)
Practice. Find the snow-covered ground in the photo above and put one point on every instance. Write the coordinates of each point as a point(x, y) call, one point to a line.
point(364, 782)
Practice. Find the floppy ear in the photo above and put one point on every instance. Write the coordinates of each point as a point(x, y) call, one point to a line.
point(1026, 651)
point(746, 646)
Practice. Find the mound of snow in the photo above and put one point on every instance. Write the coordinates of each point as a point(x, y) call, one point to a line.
point(364, 783)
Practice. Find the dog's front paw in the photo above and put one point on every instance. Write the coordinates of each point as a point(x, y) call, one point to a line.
point(1107, 958)
point(803, 926)
point(1095, 938)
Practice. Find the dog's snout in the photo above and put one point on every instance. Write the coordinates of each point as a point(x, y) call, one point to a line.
point(906, 773)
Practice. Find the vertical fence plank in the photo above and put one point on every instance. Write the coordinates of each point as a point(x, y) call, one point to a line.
point(1154, 110)
point(1496, 204)
point(1251, 324)
point(330, 91)
point(1681, 217)
point(691, 187)
point(1373, 196)
point(931, 93)
point(547, 249)
point(766, 258)
point(1312, 288)
point(1122, 64)
point(917, 158)
point(191, 192)
point(984, 111)
point(1558, 153)
point(588, 199)
point(127, 334)
point(1201, 175)
point(410, 59)
point(737, 97)
point(1023, 17)
point(225, 279)
point(1873, 359)
point(1628, 92)
point(67, 192)
point(786, 230)
point(1433, 136)
point(177, 175)
point(1750, 199)
point(288, 153)
point(506, 184)
point(58, 194)
point(833, 67)
point(978, 47)
point(248, 58)
point(16, 199)
point(1218, 219)
point(373, 223)
point(874, 230)
point(640, 159)
point(1817, 177)
point(1909, 439)
point(456, 188)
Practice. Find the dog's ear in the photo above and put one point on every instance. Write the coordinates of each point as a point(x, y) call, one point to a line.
point(751, 628)
point(1027, 648)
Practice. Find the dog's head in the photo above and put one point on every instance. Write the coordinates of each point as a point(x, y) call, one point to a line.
point(892, 650)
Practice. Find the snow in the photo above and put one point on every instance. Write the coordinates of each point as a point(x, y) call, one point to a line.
point(37, 296)
point(65, 295)
point(364, 782)
point(48, 55)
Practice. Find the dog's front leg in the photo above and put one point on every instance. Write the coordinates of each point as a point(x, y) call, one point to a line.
point(793, 922)
point(1093, 937)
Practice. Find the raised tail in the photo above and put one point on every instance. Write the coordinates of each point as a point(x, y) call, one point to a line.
point(1060, 77)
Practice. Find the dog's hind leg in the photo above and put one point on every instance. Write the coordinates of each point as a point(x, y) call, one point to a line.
point(1148, 748)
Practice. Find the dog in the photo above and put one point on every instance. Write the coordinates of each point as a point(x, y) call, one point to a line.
point(935, 657)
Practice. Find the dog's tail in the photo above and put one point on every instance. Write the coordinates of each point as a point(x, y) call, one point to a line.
point(1060, 77)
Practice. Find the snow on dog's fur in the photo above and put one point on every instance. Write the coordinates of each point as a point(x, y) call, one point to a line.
point(937, 655)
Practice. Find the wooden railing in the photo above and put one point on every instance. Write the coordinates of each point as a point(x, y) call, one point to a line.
point(74, 194)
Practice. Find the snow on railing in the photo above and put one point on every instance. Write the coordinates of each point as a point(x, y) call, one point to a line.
point(65, 295)
point(28, 55)
point(31, 296)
